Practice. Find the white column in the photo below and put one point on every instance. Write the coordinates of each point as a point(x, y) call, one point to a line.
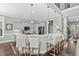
point(56, 23)
point(36, 28)
point(65, 25)
point(46, 28)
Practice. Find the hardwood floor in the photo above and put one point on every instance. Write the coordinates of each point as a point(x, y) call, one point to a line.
point(6, 49)
point(69, 48)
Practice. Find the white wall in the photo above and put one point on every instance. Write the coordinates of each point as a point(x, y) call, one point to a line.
point(0, 25)
point(19, 24)
point(74, 4)
point(56, 22)
point(65, 24)
point(50, 27)
point(14, 22)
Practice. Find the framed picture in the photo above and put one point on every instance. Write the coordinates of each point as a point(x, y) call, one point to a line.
point(9, 26)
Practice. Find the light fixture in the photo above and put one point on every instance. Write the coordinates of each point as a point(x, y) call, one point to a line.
point(48, 22)
point(32, 4)
point(57, 27)
point(31, 14)
point(47, 6)
point(77, 19)
point(48, 12)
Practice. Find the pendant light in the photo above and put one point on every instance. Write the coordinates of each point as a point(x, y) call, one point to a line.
point(31, 14)
point(48, 14)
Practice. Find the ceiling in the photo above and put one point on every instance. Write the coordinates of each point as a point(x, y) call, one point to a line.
point(71, 12)
point(38, 11)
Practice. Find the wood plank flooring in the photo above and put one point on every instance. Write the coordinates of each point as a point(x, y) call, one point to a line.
point(6, 49)
point(69, 49)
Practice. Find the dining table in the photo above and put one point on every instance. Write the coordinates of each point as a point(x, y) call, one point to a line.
point(45, 40)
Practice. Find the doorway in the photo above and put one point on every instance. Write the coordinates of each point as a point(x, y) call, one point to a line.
point(41, 30)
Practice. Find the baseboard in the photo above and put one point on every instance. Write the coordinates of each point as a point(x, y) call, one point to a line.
point(7, 41)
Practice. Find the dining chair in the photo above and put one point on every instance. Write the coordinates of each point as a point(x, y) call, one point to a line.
point(53, 52)
point(21, 44)
point(27, 48)
point(51, 45)
point(77, 48)
point(61, 43)
point(44, 44)
point(34, 45)
point(51, 48)
point(57, 39)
